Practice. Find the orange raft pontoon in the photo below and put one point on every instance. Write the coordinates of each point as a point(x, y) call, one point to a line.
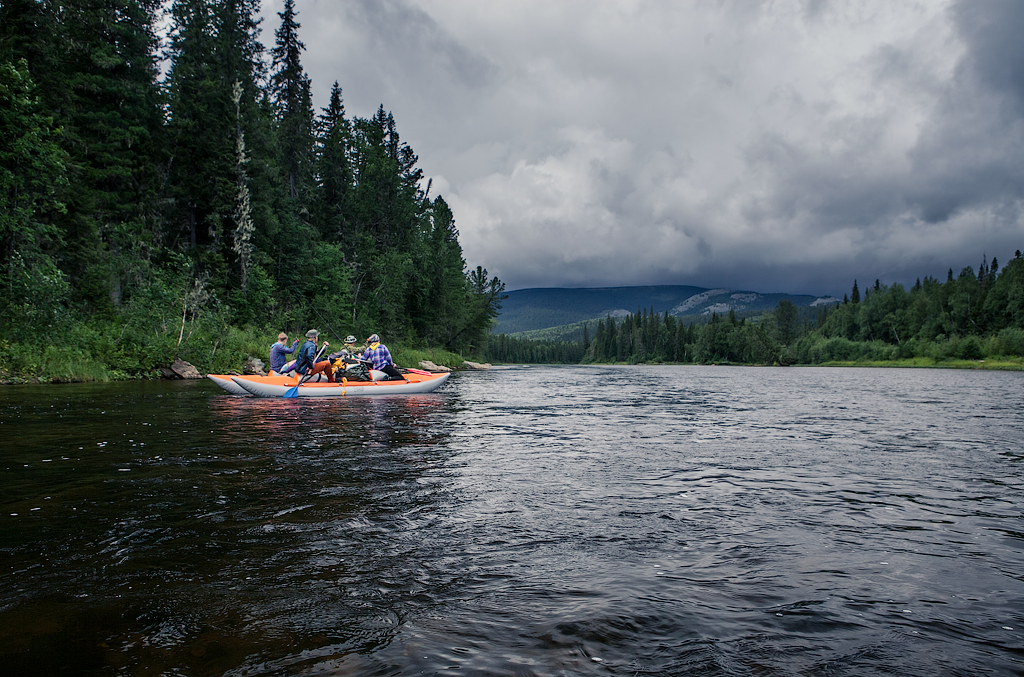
point(277, 386)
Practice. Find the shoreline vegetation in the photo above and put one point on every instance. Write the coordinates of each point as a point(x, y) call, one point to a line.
point(84, 369)
point(57, 365)
point(1008, 364)
point(94, 372)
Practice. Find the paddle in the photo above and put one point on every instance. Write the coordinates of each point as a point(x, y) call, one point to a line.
point(294, 390)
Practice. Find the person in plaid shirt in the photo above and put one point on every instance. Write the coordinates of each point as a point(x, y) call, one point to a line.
point(378, 353)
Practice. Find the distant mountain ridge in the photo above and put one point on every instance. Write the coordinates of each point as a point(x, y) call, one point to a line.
point(531, 309)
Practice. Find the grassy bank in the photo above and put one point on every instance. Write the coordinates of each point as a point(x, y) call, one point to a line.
point(1010, 363)
point(996, 364)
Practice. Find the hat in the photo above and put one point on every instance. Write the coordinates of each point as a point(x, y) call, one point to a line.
point(312, 333)
point(350, 339)
point(373, 339)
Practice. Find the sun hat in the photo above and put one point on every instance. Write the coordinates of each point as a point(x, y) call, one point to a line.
point(312, 333)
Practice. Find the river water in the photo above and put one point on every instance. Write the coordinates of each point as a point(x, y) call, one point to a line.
point(521, 521)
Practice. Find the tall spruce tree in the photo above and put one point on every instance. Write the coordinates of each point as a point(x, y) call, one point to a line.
point(32, 169)
point(334, 170)
point(202, 162)
point(292, 94)
point(441, 311)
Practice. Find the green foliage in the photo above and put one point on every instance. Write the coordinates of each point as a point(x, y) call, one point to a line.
point(785, 318)
point(406, 356)
point(144, 219)
point(511, 350)
point(1009, 341)
point(32, 169)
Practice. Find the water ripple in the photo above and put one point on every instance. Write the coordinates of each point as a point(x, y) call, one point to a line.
point(530, 521)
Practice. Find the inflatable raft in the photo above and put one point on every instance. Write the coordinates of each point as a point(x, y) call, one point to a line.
point(277, 386)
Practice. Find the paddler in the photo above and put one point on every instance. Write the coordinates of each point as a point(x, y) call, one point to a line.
point(307, 353)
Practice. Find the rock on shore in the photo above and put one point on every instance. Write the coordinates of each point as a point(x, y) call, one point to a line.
point(254, 367)
point(183, 369)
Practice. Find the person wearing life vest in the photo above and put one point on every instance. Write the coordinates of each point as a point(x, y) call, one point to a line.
point(347, 355)
point(307, 353)
point(347, 364)
point(277, 353)
point(378, 353)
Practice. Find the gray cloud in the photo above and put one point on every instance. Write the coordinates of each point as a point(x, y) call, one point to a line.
point(790, 146)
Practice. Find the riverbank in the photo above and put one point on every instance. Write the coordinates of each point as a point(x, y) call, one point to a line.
point(997, 364)
point(1009, 363)
point(26, 366)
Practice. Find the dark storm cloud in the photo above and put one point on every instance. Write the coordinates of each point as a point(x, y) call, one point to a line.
point(992, 31)
point(970, 155)
point(404, 36)
point(790, 146)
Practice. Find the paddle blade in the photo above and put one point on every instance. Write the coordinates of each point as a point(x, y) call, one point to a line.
point(292, 392)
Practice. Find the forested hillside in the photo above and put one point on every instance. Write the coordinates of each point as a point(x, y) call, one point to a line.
point(969, 317)
point(195, 213)
point(532, 309)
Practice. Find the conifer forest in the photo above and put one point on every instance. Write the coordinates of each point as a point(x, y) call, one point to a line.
point(972, 317)
point(168, 190)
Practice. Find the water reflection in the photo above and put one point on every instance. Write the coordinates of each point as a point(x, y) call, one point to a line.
point(212, 527)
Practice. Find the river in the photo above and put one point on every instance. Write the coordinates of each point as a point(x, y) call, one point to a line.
point(649, 520)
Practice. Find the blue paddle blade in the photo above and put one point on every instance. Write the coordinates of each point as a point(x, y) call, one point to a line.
point(291, 392)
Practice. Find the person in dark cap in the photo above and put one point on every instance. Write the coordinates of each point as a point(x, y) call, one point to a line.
point(379, 354)
point(307, 353)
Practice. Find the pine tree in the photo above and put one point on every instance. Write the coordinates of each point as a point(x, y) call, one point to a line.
point(442, 309)
point(32, 169)
point(291, 89)
point(485, 303)
point(855, 294)
point(785, 319)
point(334, 170)
point(202, 163)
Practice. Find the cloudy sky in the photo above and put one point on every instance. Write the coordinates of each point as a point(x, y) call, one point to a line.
point(776, 146)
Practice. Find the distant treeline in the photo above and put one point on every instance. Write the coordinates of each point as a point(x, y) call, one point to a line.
point(975, 315)
point(144, 216)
